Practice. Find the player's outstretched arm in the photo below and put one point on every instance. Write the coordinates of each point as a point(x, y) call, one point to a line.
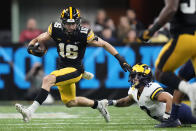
point(123, 102)
point(101, 43)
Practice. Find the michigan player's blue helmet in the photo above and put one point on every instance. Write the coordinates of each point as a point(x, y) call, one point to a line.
point(142, 73)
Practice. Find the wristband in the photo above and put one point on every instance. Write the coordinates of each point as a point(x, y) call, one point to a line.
point(154, 28)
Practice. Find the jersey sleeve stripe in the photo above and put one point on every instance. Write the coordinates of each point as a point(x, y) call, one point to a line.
point(90, 36)
point(155, 92)
point(90, 33)
point(50, 30)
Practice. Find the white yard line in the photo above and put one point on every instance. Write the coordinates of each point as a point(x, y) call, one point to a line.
point(39, 115)
point(63, 123)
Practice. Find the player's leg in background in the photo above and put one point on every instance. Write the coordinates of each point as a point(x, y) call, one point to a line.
point(190, 89)
point(185, 115)
point(169, 59)
point(168, 64)
point(186, 73)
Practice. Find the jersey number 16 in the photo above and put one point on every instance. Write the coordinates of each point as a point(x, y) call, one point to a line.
point(70, 51)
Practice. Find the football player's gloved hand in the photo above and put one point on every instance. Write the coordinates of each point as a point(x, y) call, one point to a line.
point(112, 102)
point(145, 35)
point(125, 66)
point(34, 50)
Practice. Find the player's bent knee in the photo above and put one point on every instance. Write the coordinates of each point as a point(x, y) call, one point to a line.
point(70, 103)
point(49, 79)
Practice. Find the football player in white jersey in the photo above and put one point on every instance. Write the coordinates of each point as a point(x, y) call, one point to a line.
point(151, 97)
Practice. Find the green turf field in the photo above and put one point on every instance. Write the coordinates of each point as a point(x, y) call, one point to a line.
point(58, 117)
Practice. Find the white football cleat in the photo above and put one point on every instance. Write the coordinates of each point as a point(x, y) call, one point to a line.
point(26, 114)
point(102, 107)
point(191, 92)
point(87, 75)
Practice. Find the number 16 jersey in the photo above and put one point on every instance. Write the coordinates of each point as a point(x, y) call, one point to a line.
point(71, 48)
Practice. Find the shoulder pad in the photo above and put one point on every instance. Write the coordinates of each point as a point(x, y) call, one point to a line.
point(57, 25)
point(54, 28)
point(84, 30)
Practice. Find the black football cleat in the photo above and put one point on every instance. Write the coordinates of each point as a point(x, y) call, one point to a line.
point(169, 123)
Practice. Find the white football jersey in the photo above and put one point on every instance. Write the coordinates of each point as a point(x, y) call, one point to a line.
point(153, 108)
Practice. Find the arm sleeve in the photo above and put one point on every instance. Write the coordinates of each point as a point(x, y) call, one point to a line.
point(156, 92)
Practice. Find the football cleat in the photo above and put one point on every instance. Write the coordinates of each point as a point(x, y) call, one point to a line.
point(169, 123)
point(191, 94)
point(87, 75)
point(102, 107)
point(26, 114)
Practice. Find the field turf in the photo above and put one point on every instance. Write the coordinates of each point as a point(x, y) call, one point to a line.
point(60, 118)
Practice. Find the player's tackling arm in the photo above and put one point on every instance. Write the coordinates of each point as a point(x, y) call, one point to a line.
point(123, 102)
point(96, 41)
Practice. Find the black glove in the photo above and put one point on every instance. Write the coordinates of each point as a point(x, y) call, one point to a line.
point(145, 35)
point(125, 66)
point(34, 50)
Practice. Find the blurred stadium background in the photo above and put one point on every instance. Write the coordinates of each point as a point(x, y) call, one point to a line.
point(110, 81)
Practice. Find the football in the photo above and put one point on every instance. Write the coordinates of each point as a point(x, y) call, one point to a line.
point(41, 47)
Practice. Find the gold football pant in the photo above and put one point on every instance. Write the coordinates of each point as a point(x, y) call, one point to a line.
point(65, 81)
point(177, 52)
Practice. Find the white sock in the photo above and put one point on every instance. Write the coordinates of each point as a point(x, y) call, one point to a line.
point(183, 86)
point(32, 108)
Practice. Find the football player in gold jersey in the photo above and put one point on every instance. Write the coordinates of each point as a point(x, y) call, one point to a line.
point(182, 16)
point(71, 41)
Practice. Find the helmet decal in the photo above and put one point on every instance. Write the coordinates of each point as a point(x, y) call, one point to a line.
point(63, 14)
point(71, 15)
point(78, 12)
